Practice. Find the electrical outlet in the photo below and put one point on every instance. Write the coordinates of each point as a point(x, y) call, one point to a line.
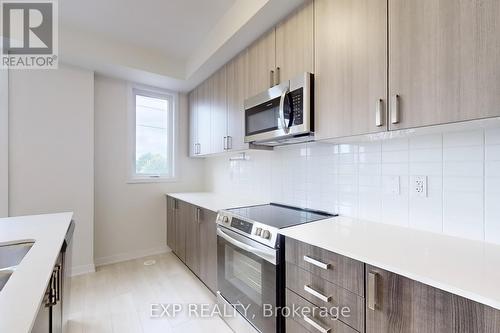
point(420, 186)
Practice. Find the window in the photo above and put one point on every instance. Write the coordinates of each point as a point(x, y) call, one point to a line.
point(153, 136)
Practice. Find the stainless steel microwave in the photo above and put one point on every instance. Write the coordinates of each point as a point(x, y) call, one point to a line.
point(283, 114)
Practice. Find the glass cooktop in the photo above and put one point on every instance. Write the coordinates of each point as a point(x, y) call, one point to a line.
point(279, 216)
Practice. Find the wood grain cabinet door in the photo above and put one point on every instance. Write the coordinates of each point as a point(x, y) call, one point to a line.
point(192, 222)
point(193, 123)
point(171, 223)
point(395, 304)
point(181, 215)
point(261, 64)
point(444, 61)
point(236, 73)
point(295, 44)
point(208, 249)
point(204, 117)
point(350, 67)
point(218, 108)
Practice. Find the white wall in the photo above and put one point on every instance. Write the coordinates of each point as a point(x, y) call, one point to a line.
point(355, 179)
point(130, 218)
point(51, 147)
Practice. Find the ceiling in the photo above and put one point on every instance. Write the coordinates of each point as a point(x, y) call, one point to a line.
point(173, 44)
point(173, 27)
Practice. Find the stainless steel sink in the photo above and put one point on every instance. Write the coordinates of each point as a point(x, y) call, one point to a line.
point(11, 254)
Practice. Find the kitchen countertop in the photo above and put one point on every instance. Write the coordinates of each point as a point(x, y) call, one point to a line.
point(23, 293)
point(214, 201)
point(463, 267)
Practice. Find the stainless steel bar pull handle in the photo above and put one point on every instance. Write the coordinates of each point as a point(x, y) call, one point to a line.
point(317, 294)
point(379, 115)
point(372, 290)
point(271, 79)
point(278, 74)
point(229, 142)
point(225, 142)
point(316, 263)
point(316, 325)
point(395, 110)
point(198, 213)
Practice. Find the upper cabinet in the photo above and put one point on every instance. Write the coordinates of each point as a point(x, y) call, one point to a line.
point(204, 116)
point(193, 122)
point(261, 64)
point(218, 106)
point(295, 44)
point(236, 91)
point(444, 61)
point(351, 67)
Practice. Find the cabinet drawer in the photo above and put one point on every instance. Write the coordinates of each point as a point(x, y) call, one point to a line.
point(323, 293)
point(340, 270)
point(310, 320)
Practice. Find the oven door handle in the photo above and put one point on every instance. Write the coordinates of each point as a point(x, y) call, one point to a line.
point(284, 126)
point(269, 256)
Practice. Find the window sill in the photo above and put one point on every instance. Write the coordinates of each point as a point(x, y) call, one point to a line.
point(152, 180)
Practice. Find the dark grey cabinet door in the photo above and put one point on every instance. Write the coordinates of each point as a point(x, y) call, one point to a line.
point(395, 304)
point(181, 215)
point(208, 249)
point(191, 220)
point(171, 223)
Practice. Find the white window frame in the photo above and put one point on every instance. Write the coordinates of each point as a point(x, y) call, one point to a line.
point(172, 98)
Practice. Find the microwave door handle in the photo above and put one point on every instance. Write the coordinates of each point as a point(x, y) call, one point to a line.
point(282, 111)
point(261, 254)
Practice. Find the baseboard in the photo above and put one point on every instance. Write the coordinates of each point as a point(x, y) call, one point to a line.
point(130, 255)
point(82, 269)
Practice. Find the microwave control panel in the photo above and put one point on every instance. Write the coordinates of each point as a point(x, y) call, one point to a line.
point(297, 106)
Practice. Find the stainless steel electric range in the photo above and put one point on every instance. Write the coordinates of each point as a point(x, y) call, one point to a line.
point(251, 263)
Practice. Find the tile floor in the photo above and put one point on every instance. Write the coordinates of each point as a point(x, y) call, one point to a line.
point(117, 298)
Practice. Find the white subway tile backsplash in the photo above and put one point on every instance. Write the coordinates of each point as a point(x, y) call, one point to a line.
point(463, 139)
point(463, 169)
point(426, 168)
point(463, 154)
point(426, 155)
point(492, 136)
point(433, 141)
point(492, 168)
point(395, 144)
point(492, 152)
point(358, 180)
point(400, 156)
point(492, 215)
point(463, 214)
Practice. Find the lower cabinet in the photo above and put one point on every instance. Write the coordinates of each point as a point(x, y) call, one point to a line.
point(390, 303)
point(208, 248)
point(191, 234)
point(398, 304)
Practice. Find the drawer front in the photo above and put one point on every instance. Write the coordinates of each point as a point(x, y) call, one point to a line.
point(323, 293)
point(310, 319)
point(340, 270)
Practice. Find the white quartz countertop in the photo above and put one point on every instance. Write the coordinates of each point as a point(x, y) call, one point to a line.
point(464, 267)
point(214, 201)
point(23, 293)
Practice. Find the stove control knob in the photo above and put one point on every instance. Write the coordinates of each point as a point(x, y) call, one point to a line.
point(266, 234)
point(258, 231)
point(225, 219)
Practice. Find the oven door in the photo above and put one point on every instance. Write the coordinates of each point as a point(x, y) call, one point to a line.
point(247, 277)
